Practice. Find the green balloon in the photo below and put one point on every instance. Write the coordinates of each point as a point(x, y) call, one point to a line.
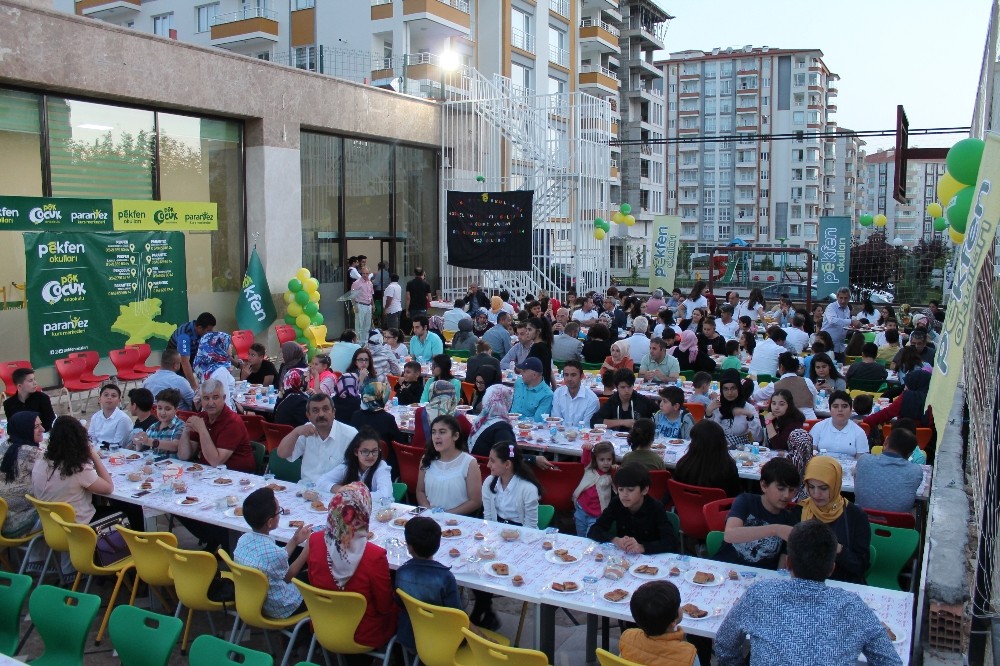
point(302, 340)
point(290, 320)
point(866, 220)
point(963, 161)
point(295, 285)
point(310, 309)
point(603, 226)
point(600, 222)
point(480, 179)
point(318, 319)
point(940, 224)
point(958, 209)
point(625, 209)
point(302, 297)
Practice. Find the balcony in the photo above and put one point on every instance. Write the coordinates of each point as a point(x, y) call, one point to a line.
point(645, 32)
point(599, 77)
point(108, 10)
point(381, 9)
point(614, 169)
point(560, 8)
point(643, 64)
point(453, 14)
point(251, 27)
point(519, 39)
point(598, 35)
point(558, 56)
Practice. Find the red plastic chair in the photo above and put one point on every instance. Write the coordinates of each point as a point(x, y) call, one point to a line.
point(90, 359)
point(125, 361)
point(484, 468)
point(689, 502)
point(144, 352)
point(184, 414)
point(891, 518)
point(716, 514)
point(867, 428)
point(242, 341)
point(254, 428)
point(285, 333)
point(924, 435)
point(7, 374)
point(408, 458)
point(558, 487)
point(696, 409)
point(807, 426)
point(69, 370)
point(658, 485)
point(468, 393)
point(273, 434)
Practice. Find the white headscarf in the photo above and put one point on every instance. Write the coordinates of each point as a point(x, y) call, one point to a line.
point(496, 408)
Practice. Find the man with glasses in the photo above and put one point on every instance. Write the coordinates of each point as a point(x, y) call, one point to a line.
point(321, 443)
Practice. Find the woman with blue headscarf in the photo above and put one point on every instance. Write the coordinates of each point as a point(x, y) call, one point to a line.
point(214, 361)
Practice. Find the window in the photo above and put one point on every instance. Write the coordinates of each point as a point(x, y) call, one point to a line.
point(205, 14)
point(556, 86)
point(305, 58)
point(520, 75)
point(710, 105)
point(709, 88)
point(520, 30)
point(709, 160)
point(709, 196)
point(798, 117)
point(708, 213)
point(725, 87)
point(710, 123)
point(162, 24)
point(763, 194)
point(800, 79)
point(724, 195)
point(725, 215)
point(725, 160)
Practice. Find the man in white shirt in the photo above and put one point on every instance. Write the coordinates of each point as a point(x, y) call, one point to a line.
point(110, 425)
point(796, 339)
point(321, 443)
point(765, 355)
point(586, 315)
point(837, 319)
point(455, 315)
point(725, 325)
point(638, 343)
point(572, 402)
point(392, 302)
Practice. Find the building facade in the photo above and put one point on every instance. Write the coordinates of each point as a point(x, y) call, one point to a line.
point(846, 187)
point(908, 221)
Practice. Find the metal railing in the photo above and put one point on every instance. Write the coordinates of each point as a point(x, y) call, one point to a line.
point(558, 56)
point(244, 14)
point(607, 27)
point(560, 7)
point(303, 4)
point(522, 40)
point(591, 69)
point(460, 5)
point(376, 3)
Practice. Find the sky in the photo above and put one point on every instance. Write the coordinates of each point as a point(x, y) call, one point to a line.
point(921, 54)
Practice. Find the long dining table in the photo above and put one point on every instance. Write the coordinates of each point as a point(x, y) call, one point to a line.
point(213, 496)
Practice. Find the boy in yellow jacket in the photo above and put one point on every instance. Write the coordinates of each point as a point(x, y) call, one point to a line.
point(657, 641)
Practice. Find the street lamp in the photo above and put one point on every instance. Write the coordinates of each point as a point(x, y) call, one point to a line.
point(448, 62)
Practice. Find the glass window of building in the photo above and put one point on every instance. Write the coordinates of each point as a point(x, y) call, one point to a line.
point(205, 14)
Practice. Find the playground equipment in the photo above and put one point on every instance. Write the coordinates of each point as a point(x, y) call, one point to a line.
point(738, 266)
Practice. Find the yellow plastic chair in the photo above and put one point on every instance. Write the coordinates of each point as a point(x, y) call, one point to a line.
point(318, 336)
point(605, 658)
point(448, 335)
point(82, 541)
point(251, 590)
point(876, 450)
point(437, 632)
point(193, 572)
point(335, 617)
point(152, 563)
point(9, 544)
point(55, 537)
point(494, 654)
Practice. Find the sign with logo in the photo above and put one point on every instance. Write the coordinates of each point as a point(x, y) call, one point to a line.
point(834, 250)
point(103, 291)
point(664, 243)
point(65, 214)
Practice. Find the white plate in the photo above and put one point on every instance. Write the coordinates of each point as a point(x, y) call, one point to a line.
point(452, 538)
point(621, 435)
point(310, 509)
point(181, 502)
point(708, 616)
point(551, 556)
point(231, 512)
point(662, 573)
point(488, 569)
point(627, 598)
point(719, 578)
point(393, 525)
point(579, 586)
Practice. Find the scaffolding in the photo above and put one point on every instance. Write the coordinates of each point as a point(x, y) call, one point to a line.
point(502, 137)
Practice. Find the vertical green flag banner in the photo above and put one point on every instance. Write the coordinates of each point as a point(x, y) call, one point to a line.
point(103, 291)
point(834, 254)
point(664, 243)
point(255, 308)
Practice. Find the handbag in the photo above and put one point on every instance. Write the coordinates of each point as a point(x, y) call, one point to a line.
point(111, 546)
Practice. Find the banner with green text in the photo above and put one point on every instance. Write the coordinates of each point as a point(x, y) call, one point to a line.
point(67, 214)
point(88, 291)
point(834, 251)
point(664, 243)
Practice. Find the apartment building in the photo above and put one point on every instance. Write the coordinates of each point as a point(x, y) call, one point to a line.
point(726, 177)
point(843, 176)
point(908, 221)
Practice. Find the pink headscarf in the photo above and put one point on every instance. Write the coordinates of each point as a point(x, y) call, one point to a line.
point(689, 343)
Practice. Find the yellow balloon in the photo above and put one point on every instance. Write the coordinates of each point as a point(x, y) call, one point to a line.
point(935, 210)
point(303, 274)
point(881, 220)
point(956, 237)
point(599, 234)
point(947, 188)
point(311, 285)
point(303, 321)
point(314, 297)
point(294, 309)
point(617, 217)
point(289, 297)
point(629, 220)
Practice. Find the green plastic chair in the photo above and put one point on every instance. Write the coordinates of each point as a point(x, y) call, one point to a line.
point(398, 491)
point(870, 385)
point(14, 590)
point(142, 637)
point(208, 650)
point(764, 378)
point(713, 542)
point(459, 353)
point(674, 520)
point(894, 546)
point(285, 470)
point(688, 375)
point(63, 619)
point(592, 366)
point(545, 514)
point(869, 337)
point(259, 455)
point(559, 365)
point(872, 556)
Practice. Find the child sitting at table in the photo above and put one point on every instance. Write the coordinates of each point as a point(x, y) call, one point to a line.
point(256, 549)
point(640, 438)
point(732, 360)
point(641, 524)
point(862, 406)
point(656, 608)
point(164, 435)
point(593, 493)
point(701, 382)
point(410, 386)
point(673, 421)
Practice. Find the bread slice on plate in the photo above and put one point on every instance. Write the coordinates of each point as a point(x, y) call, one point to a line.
point(693, 611)
point(616, 594)
point(501, 569)
point(703, 578)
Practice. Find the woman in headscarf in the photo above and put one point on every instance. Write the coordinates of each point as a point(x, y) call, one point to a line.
point(910, 404)
point(619, 358)
point(492, 425)
point(347, 389)
point(292, 356)
point(441, 371)
point(731, 410)
point(213, 361)
point(24, 434)
point(291, 409)
point(800, 452)
point(341, 558)
point(690, 357)
point(486, 376)
point(442, 400)
point(384, 359)
point(823, 479)
point(372, 414)
point(482, 323)
point(465, 339)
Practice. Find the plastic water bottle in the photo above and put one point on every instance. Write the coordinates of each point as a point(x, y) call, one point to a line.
point(755, 449)
point(395, 401)
point(680, 382)
point(819, 400)
point(715, 387)
point(553, 432)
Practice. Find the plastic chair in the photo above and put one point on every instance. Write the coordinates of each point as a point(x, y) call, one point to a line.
point(487, 653)
point(696, 409)
point(592, 366)
point(872, 556)
point(317, 335)
point(69, 370)
point(284, 333)
point(891, 518)
point(392, 380)
point(251, 590)
point(459, 353)
point(867, 428)
point(55, 537)
point(924, 435)
point(63, 620)
point(90, 361)
point(716, 514)
point(82, 541)
point(658, 485)
point(408, 458)
point(125, 361)
point(545, 514)
point(285, 470)
point(259, 456)
point(689, 502)
point(193, 572)
point(876, 451)
point(605, 658)
point(484, 466)
point(211, 651)
point(184, 414)
point(152, 563)
point(335, 617)
point(7, 369)
point(142, 637)
point(7, 544)
point(254, 428)
point(713, 542)
point(764, 378)
point(140, 366)
point(895, 546)
point(448, 335)
point(558, 486)
point(241, 343)
point(809, 423)
point(14, 590)
point(869, 385)
point(468, 393)
point(398, 491)
point(438, 633)
point(273, 433)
